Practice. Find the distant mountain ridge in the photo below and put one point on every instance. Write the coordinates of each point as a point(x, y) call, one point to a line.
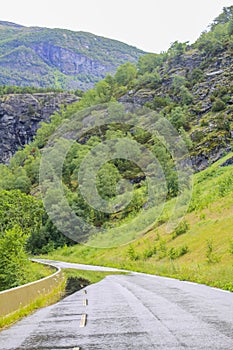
point(11, 24)
point(59, 58)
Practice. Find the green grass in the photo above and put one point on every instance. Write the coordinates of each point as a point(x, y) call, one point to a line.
point(36, 271)
point(202, 254)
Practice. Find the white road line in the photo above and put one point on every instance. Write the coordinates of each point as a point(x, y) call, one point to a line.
point(83, 321)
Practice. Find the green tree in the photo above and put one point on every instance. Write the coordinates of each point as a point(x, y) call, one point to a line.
point(149, 79)
point(178, 82)
point(147, 63)
point(13, 258)
point(107, 179)
point(178, 118)
point(17, 208)
point(105, 89)
point(224, 17)
point(230, 27)
point(177, 49)
point(125, 74)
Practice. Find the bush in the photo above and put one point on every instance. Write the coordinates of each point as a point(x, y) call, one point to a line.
point(218, 105)
point(132, 254)
point(211, 257)
point(148, 253)
point(175, 253)
point(162, 249)
point(196, 75)
point(182, 228)
point(13, 258)
point(160, 102)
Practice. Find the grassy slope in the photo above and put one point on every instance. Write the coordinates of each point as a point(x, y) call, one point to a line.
point(37, 271)
point(209, 238)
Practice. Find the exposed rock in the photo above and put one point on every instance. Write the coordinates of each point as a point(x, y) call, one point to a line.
point(20, 117)
point(211, 132)
point(42, 57)
point(139, 97)
point(228, 162)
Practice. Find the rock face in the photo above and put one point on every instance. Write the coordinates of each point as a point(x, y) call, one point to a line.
point(41, 57)
point(20, 117)
point(210, 130)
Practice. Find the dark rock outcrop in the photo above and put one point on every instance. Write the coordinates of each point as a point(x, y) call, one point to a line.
point(20, 117)
point(210, 131)
point(228, 162)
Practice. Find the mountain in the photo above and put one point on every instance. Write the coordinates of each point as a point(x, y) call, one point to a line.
point(191, 87)
point(42, 57)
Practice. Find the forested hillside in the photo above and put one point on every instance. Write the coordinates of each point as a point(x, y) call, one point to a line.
point(190, 86)
point(42, 57)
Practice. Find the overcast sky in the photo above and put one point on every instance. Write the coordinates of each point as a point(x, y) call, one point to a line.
point(151, 25)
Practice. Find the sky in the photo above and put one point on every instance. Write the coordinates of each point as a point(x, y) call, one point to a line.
point(151, 25)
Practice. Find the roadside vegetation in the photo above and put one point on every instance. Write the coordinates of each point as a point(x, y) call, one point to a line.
point(200, 248)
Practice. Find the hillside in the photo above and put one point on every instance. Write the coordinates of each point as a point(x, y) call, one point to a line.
point(42, 57)
point(200, 249)
point(191, 85)
point(187, 89)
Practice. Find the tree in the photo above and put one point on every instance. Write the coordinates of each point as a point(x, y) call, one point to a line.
point(13, 258)
point(178, 118)
point(147, 63)
point(149, 79)
point(186, 96)
point(19, 209)
point(177, 49)
point(177, 82)
point(107, 179)
point(230, 27)
point(23, 183)
point(125, 74)
point(224, 17)
point(105, 89)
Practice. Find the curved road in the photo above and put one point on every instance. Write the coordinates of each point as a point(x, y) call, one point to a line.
point(135, 311)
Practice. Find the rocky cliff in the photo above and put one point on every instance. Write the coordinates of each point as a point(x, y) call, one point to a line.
point(41, 57)
point(20, 117)
point(200, 83)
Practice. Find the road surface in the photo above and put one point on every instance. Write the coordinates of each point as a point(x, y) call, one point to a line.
point(125, 312)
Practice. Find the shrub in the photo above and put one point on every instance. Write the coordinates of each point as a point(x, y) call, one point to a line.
point(13, 258)
point(132, 254)
point(182, 228)
point(211, 257)
point(148, 253)
point(175, 253)
point(218, 105)
point(162, 249)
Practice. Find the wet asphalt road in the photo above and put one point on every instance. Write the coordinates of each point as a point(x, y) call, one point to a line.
point(133, 311)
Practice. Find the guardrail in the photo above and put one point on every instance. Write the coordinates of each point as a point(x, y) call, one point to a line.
point(14, 299)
